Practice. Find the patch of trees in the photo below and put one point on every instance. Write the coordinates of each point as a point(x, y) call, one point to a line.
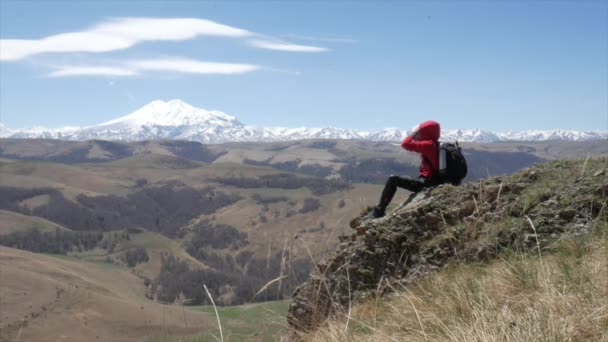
point(310, 205)
point(208, 236)
point(111, 241)
point(323, 144)
point(318, 186)
point(243, 258)
point(57, 242)
point(375, 171)
point(294, 166)
point(117, 149)
point(177, 163)
point(279, 147)
point(267, 269)
point(259, 199)
point(135, 256)
point(192, 150)
point(178, 281)
point(11, 196)
point(217, 261)
point(165, 208)
point(217, 236)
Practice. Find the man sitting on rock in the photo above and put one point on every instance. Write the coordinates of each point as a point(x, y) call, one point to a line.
point(424, 139)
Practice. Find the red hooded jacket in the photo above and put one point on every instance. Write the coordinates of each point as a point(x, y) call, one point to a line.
point(427, 145)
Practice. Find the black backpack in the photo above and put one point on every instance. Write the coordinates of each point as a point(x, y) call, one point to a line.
point(455, 168)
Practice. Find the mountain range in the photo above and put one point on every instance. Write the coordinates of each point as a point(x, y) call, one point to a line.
point(177, 120)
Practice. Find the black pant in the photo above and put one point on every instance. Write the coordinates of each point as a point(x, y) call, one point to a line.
point(408, 183)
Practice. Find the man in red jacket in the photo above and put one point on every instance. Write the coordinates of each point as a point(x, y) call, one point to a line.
point(424, 139)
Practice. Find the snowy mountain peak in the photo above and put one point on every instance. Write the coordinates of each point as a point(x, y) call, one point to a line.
point(4, 131)
point(173, 113)
point(176, 119)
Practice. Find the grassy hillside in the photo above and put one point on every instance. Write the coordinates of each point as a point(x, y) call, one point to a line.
point(511, 258)
point(46, 298)
point(11, 221)
point(558, 296)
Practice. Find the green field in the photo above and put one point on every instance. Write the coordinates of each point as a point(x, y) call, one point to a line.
point(249, 322)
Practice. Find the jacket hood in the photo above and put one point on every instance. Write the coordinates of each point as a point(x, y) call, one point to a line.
point(429, 130)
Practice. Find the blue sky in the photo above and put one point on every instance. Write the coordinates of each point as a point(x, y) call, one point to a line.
point(367, 65)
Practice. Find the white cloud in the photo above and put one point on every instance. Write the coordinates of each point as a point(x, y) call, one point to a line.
point(92, 71)
point(173, 64)
point(123, 33)
point(191, 66)
point(118, 34)
point(284, 46)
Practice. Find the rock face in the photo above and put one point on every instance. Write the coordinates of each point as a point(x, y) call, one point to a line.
point(474, 222)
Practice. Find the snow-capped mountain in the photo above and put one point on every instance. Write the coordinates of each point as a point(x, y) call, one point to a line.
point(178, 120)
point(5, 131)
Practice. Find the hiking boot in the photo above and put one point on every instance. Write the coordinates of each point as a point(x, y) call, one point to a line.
point(375, 213)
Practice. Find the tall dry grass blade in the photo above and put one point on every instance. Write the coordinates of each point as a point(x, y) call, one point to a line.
point(376, 300)
point(20, 330)
point(322, 274)
point(328, 240)
point(499, 192)
point(584, 167)
point(540, 256)
point(217, 315)
point(478, 216)
point(267, 285)
point(268, 257)
point(373, 329)
point(417, 314)
point(282, 269)
point(323, 279)
point(182, 299)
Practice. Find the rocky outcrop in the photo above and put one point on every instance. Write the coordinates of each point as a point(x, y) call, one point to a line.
point(474, 222)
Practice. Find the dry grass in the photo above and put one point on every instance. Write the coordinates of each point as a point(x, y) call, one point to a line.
point(45, 298)
point(561, 297)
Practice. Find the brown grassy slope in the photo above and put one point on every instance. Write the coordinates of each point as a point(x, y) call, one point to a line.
point(478, 222)
point(558, 297)
point(11, 221)
point(72, 180)
point(119, 178)
point(44, 298)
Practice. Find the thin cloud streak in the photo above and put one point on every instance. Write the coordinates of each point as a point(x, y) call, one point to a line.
point(172, 64)
point(191, 66)
point(283, 46)
point(118, 34)
point(92, 71)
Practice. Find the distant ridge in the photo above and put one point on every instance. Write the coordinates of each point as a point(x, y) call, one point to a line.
point(178, 120)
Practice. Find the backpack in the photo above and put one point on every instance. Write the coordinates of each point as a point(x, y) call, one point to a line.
point(455, 167)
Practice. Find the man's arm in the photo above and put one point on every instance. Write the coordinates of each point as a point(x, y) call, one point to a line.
point(411, 143)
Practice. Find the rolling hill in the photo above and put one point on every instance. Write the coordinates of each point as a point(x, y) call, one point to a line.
point(168, 216)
